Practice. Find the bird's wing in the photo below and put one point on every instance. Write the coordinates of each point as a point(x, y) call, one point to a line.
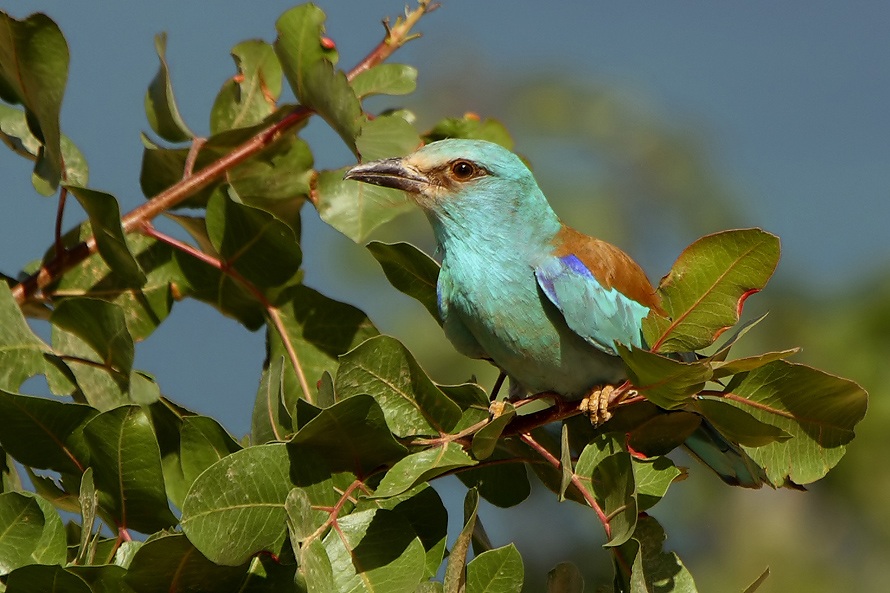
point(598, 314)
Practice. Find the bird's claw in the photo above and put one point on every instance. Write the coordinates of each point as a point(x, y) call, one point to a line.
point(496, 408)
point(596, 405)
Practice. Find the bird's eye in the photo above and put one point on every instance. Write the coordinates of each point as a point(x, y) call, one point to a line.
point(463, 170)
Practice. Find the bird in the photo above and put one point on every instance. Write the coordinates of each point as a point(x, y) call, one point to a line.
point(545, 303)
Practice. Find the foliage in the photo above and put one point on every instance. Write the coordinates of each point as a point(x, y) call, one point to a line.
point(331, 490)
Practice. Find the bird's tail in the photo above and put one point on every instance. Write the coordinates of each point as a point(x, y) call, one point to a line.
point(728, 460)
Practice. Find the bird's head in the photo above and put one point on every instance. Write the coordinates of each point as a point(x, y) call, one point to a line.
point(454, 177)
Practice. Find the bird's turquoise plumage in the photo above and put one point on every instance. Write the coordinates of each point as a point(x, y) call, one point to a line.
point(543, 302)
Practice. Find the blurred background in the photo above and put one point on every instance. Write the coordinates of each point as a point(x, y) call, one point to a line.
point(648, 126)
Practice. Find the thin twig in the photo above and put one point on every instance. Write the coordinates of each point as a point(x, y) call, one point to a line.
point(57, 234)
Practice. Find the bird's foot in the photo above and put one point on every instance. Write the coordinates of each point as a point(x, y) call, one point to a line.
point(496, 408)
point(596, 405)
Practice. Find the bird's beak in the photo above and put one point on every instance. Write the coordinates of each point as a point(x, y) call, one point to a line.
point(394, 173)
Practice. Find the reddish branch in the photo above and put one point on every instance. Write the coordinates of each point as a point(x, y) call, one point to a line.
point(64, 260)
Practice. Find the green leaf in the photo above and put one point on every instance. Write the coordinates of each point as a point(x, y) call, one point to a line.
point(105, 220)
point(488, 437)
point(272, 419)
point(16, 134)
point(652, 478)
point(242, 496)
point(203, 443)
point(309, 68)
point(737, 424)
point(352, 435)
point(45, 433)
point(258, 246)
point(704, 292)
point(171, 563)
point(565, 463)
point(455, 575)
point(652, 569)
point(104, 578)
point(246, 99)
point(663, 432)
point(89, 504)
point(21, 529)
point(355, 209)
point(817, 409)
point(749, 363)
point(160, 106)
point(503, 484)
point(422, 466)
point(386, 136)
point(375, 550)
point(277, 179)
point(51, 547)
point(496, 571)
point(126, 460)
point(385, 79)
point(605, 471)
point(757, 582)
point(45, 579)
point(33, 72)
point(666, 382)
point(411, 271)
point(385, 369)
point(316, 568)
point(471, 127)
point(565, 578)
point(319, 330)
point(21, 352)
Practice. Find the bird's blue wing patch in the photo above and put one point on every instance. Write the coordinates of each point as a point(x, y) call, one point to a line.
point(601, 316)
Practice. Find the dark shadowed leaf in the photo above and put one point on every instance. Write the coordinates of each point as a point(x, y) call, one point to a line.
point(485, 441)
point(496, 571)
point(652, 568)
point(605, 471)
point(385, 79)
point(704, 292)
point(126, 460)
point(309, 67)
point(160, 106)
point(409, 270)
point(664, 381)
point(33, 72)
point(45, 433)
point(203, 443)
point(105, 220)
point(250, 96)
point(21, 352)
point(504, 484)
point(565, 578)
point(471, 127)
point(352, 435)
point(737, 424)
point(236, 507)
point(662, 433)
point(45, 579)
point(385, 369)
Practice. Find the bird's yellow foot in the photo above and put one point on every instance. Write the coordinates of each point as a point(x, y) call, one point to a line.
point(496, 408)
point(596, 405)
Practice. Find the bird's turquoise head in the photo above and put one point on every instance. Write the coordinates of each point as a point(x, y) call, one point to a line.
point(465, 186)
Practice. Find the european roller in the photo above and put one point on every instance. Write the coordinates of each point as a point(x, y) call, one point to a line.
point(543, 302)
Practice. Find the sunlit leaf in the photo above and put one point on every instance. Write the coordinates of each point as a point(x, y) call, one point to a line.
point(160, 106)
point(422, 466)
point(21, 527)
point(664, 381)
point(496, 571)
point(652, 478)
point(385, 79)
point(21, 352)
point(250, 96)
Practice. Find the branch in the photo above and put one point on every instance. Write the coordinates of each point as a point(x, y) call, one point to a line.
point(62, 262)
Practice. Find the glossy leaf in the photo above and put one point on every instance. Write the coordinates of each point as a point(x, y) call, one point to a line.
point(309, 67)
point(126, 460)
point(171, 563)
point(664, 381)
point(385, 369)
point(749, 363)
point(319, 329)
point(203, 442)
point(411, 271)
point(422, 466)
point(241, 496)
point(496, 571)
point(105, 220)
point(351, 435)
point(385, 79)
point(45, 433)
point(355, 209)
point(33, 72)
point(652, 478)
point(250, 96)
point(818, 410)
point(704, 292)
point(375, 550)
point(160, 105)
point(21, 352)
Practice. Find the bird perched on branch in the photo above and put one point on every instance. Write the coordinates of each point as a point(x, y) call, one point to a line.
point(542, 301)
